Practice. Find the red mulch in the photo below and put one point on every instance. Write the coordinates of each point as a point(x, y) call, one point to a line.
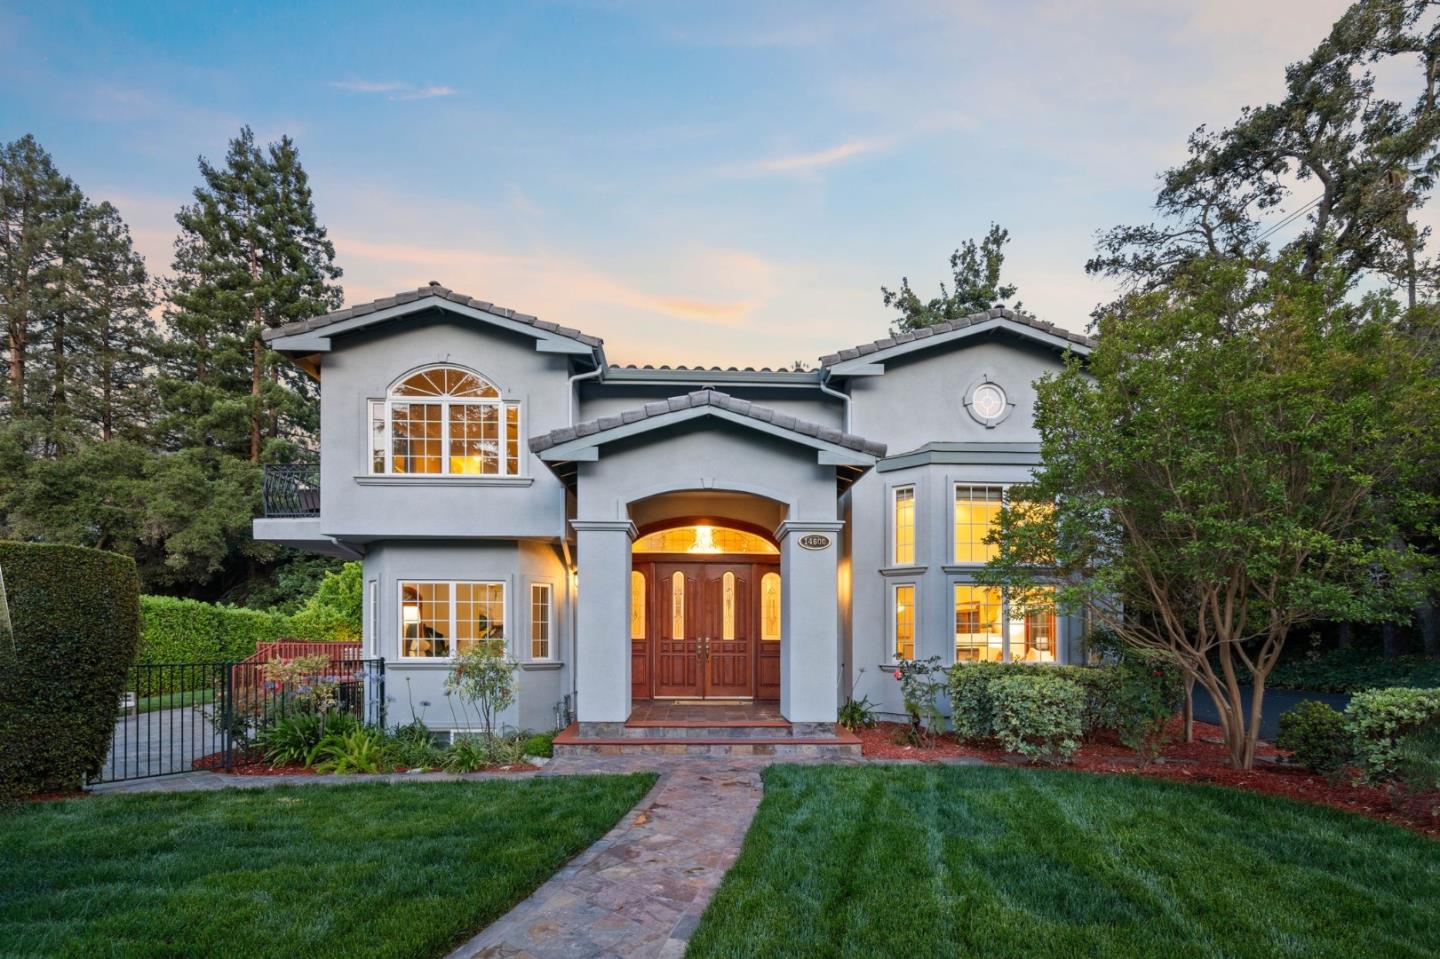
point(58, 795)
point(253, 765)
point(1203, 761)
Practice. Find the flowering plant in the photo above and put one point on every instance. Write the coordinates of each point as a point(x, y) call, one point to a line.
point(484, 676)
point(921, 683)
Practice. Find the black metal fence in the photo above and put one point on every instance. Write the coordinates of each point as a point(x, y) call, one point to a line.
point(291, 490)
point(178, 717)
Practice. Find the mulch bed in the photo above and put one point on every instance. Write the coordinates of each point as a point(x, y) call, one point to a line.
point(1203, 761)
point(251, 764)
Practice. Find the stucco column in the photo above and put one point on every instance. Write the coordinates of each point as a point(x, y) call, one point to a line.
point(810, 621)
point(602, 627)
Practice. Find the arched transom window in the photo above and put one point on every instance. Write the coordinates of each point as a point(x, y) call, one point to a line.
point(445, 420)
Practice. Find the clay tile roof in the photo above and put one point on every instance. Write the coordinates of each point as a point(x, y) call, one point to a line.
point(436, 290)
point(701, 398)
point(999, 312)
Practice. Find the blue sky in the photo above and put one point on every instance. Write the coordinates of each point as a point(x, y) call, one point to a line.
point(697, 183)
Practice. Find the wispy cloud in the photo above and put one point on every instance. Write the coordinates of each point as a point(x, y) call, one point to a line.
point(393, 90)
point(801, 164)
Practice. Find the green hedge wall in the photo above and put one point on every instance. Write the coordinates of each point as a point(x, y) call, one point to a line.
point(76, 624)
point(189, 631)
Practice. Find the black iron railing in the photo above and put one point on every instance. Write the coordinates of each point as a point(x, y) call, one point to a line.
point(291, 490)
point(177, 717)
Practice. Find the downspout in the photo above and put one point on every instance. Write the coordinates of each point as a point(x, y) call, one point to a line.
point(844, 397)
point(575, 392)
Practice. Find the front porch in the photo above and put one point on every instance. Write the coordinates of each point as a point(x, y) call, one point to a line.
point(678, 727)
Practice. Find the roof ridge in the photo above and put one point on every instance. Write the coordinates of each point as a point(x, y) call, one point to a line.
point(950, 326)
point(435, 289)
point(701, 398)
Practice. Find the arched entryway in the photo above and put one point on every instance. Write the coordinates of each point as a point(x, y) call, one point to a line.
point(705, 611)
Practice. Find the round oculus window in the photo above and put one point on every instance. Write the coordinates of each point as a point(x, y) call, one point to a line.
point(988, 401)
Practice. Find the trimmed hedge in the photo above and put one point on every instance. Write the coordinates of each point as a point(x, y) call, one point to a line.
point(1378, 719)
point(189, 631)
point(75, 614)
point(1038, 715)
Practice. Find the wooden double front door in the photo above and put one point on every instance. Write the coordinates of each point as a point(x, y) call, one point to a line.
point(707, 631)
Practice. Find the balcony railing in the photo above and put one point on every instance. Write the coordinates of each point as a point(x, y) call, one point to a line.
point(291, 490)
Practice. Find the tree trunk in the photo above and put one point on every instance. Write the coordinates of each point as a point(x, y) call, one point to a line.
point(1390, 639)
point(1342, 636)
point(255, 357)
point(1429, 617)
point(1187, 713)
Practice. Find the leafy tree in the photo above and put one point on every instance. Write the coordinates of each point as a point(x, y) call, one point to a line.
point(1227, 466)
point(1352, 167)
point(975, 285)
point(251, 256)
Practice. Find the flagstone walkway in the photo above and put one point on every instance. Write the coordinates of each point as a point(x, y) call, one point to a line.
point(640, 890)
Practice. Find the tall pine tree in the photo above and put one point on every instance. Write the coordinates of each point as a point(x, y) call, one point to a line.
point(251, 256)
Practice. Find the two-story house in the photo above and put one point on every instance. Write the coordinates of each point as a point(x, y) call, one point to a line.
point(682, 535)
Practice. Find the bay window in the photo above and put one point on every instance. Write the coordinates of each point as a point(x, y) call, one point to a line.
point(439, 620)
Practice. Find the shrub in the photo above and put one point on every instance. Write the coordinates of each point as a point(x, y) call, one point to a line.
point(294, 739)
point(1417, 761)
point(360, 750)
point(74, 616)
point(857, 714)
point(484, 676)
point(1038, 715)
point(1145, 692)
point(189, 631)
point(1352, 670)
point(412, 746)
point(921, 683)
point(1315, 736)
point(1377, 719)
point(972, 708)
point(333, 613)
point(467, 754)
point(541, 745)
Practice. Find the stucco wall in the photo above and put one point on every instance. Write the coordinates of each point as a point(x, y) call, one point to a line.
point(362, 366)
point(918, 401)
point(807, 403)
point(517, 565)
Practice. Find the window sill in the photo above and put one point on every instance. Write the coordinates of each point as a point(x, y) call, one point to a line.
point(441, 480)
point(903, 570)
point(542, 665)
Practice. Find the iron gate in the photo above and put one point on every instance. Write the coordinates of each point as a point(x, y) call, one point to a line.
point(178, 717)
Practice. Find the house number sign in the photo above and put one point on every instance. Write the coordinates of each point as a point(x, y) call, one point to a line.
point(815, 541)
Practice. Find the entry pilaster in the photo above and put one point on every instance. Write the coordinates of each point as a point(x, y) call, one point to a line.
point(810, 620)
point(602, 638)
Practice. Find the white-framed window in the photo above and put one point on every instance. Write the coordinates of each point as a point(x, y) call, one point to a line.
point(904, 620)
point(976, 509)
point(542, 618)
point(902, 526)
point(440, 619)
point(444, 421)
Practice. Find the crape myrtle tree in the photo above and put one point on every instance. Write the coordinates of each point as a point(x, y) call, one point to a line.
point(975, 286)
point(1229, 464)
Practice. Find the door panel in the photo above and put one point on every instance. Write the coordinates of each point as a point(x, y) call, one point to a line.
point(677, 610)
point(729, 630)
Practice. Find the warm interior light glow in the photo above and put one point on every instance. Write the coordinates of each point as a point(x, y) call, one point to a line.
point(704, 540)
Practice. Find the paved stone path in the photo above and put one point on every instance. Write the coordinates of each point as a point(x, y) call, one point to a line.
point(640, 890)
point(162, 741)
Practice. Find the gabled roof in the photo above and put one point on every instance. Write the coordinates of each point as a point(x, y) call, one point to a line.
point(307, 335)
point(583, 439)
point(878, 351)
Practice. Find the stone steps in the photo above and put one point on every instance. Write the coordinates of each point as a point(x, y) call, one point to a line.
point(708, 740)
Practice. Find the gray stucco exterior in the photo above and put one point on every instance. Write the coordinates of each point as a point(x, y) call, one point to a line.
point(607, 452)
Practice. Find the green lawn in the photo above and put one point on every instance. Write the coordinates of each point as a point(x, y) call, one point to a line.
point(192, 697)
point(303, 871)
point(988, 862)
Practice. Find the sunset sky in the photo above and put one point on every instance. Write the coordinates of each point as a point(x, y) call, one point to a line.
point(696, 183)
